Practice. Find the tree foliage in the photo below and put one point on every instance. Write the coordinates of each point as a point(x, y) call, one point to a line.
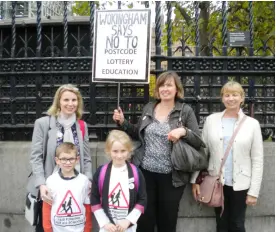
point(82, 8)
point(210, 24)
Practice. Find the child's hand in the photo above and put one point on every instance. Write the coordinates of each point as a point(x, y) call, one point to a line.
point(45, 194)
point(110, 227)
point(123, 225)
point(90, 186)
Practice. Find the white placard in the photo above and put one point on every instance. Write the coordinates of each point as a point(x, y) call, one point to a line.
point(122, 46)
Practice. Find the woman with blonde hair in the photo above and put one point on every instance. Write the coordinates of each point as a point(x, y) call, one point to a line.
point(242, 172)
point(157, 129)
point(62, 124)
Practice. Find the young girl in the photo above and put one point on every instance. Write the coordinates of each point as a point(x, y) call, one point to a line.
point(118, 195)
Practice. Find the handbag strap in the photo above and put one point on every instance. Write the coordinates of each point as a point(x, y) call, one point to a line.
point(45, 152)
point(180, 115)
point(230, 144)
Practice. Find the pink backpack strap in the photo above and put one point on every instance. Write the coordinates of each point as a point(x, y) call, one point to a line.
point(81, 123)
point(101, 178)
point(136, 176)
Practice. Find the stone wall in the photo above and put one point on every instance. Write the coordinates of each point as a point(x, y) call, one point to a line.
point(14, 158)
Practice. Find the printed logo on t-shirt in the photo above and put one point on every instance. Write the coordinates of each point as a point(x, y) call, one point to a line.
point(117, 202)
point(69, 212)
point(117, 197)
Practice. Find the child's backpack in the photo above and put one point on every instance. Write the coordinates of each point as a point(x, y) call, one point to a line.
point(103, 172)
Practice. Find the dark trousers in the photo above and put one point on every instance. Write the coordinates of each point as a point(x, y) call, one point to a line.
point(162, 203)
point(233, 217)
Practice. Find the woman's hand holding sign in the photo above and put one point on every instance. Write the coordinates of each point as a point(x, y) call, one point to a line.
point(118, 116)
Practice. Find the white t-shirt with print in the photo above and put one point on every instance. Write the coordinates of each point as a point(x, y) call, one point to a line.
point(118, 199)
point(68, 211)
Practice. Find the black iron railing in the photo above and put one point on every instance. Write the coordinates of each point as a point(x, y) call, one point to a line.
point(36, 57)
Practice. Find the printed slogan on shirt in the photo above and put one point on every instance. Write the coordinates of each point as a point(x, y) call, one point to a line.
point(69, 212)
point(117, 202)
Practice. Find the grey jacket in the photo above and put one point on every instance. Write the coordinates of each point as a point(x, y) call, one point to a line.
point(44, 142)
point(179, 178)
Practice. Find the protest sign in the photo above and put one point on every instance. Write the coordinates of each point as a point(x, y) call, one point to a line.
point(122, 46)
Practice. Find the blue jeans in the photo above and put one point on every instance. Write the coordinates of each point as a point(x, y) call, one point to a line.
point(233, 217)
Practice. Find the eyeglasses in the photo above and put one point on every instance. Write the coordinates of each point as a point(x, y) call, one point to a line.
point(64, 160)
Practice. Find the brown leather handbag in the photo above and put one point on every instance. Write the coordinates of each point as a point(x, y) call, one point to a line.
point(211, 189)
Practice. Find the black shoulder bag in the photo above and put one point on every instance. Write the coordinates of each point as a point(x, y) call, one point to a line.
point(185, 157)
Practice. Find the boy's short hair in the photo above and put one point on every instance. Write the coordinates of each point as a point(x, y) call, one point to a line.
point(66, 147)
point(118, 136)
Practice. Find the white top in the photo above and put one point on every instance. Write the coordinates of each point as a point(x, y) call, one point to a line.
point(68, 211)
point(227, 128)
point(118, 198)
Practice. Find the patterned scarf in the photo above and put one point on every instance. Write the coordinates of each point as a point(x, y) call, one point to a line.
point(67, 123)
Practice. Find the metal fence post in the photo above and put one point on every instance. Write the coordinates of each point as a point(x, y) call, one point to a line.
point(169, 33)
point(158, 35)
point(92, 104)
point(65, 30)
point(13, 81)
point(197, 52)
point(38, 61)
point(251, 90)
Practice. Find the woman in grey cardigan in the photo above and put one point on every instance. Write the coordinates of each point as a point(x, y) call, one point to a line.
point(157, 129)
point(62, 125)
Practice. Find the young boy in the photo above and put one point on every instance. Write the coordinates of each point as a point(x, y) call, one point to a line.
point(70, 210)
